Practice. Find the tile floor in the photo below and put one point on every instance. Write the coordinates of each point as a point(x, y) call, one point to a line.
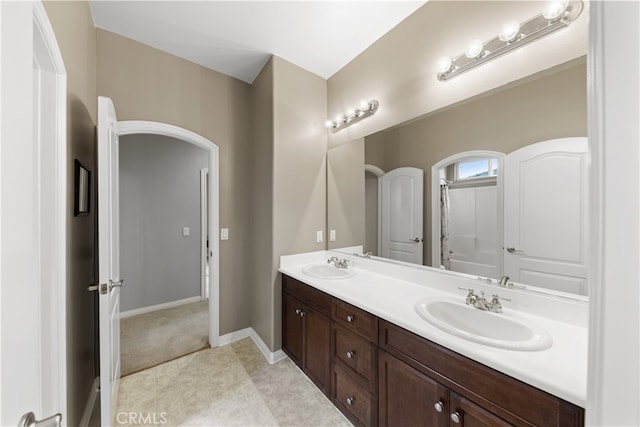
point(232, 385)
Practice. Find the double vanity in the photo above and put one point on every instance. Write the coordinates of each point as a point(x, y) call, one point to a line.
point(396, 345)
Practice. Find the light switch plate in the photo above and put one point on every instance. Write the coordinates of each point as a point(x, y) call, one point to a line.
point(186, 231)
point(332, 235)
point(319, 236)
point(224, 234)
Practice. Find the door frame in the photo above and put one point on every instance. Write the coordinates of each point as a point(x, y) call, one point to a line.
point(204, 198)
point(132, 127)
point(375, 170)
point(435, 199)
point(40, 341)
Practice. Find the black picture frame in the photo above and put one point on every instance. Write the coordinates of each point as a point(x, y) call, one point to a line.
point(82, 190)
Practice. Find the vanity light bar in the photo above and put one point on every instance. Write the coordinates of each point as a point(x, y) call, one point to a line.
point(341, 121)
point(556, 16)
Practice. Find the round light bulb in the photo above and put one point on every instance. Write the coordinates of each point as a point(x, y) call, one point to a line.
point(554, 10)
point(444, 64)
point(474, 49)
point(510, 31)
point(329, 124)
point(351, 113)
point(364, 105)
point(339, 119)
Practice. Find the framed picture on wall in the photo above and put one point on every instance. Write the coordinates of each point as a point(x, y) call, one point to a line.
point(82, 191)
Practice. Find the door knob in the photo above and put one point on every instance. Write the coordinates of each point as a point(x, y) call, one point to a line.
point(117, 284)
point(514, 251)
point(29, 420)
point(417, 240)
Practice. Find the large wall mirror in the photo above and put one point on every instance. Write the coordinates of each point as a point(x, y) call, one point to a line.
point(494, 185)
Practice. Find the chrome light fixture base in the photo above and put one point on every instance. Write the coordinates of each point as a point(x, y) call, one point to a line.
point(530, 31)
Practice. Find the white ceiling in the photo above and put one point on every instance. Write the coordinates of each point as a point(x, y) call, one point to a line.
point(238, 37)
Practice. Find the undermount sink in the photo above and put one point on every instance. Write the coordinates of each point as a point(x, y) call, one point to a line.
point(503, 330)
point(327, 271)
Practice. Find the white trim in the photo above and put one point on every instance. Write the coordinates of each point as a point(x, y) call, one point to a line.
point(435, 199)
point(270, 356)
point(57, 352)
point(374, 170)
point(91, 403)
point(614, 298)
point(163, 306)
point(204, 177)
point(129, 127)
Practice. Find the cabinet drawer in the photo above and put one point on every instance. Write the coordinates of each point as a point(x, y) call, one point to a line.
point(307, 294)
point(353, 399)
point(357, 353)
point(355, 319)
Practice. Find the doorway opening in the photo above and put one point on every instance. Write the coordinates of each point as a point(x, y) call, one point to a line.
point(172, 281)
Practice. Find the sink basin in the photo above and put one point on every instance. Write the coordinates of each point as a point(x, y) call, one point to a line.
point(327, 271)
point(503, 330)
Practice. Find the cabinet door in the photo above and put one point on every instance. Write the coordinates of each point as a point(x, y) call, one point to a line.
point(292, 328)
point(468, 414)
point(409, 398)
point(317, 348)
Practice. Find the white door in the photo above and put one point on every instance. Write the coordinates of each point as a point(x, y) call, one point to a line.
point(33, 218)
point(109, 258)
point(401, 220)
point(545, 215)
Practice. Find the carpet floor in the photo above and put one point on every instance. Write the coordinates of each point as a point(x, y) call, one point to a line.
point(149, 339)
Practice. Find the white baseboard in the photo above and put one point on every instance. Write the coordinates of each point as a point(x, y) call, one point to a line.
point(271, 356)
point(91, 403)
point(151, 308)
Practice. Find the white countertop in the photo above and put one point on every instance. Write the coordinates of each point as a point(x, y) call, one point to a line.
point(390, 291)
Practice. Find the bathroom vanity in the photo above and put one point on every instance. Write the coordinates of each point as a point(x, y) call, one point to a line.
point(361, 342)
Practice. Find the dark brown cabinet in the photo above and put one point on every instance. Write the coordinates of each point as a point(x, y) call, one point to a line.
point(306, 331)
point(378, 373)
point(410, 398)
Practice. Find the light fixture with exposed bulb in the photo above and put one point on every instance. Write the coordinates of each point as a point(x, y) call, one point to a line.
point(513, 35)
point(510, 31)
point(474, 49)
point(365, 108)
point(554, 10)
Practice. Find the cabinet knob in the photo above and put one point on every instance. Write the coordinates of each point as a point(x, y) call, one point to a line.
point(349, 318)
point(456, 417)
point(298, 311)
point(350, 400)
point(351, 354)
point(302, 314)
point(439, 406)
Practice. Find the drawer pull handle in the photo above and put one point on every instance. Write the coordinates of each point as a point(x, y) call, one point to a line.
point(456, 417)
point(439, 406)
point(351, 354)
point(349, 318)
point(350, 400)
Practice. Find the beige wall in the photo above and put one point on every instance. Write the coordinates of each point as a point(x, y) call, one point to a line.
point(147, 84)
point(399, 69)
point(554, 105)
point(261, 249)
point(345, 201)
point(76, 36)
point(299, 170)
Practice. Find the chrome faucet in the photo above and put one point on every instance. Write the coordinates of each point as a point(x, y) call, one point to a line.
point(339, 263)
point(504, 281)
point(481, 303)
